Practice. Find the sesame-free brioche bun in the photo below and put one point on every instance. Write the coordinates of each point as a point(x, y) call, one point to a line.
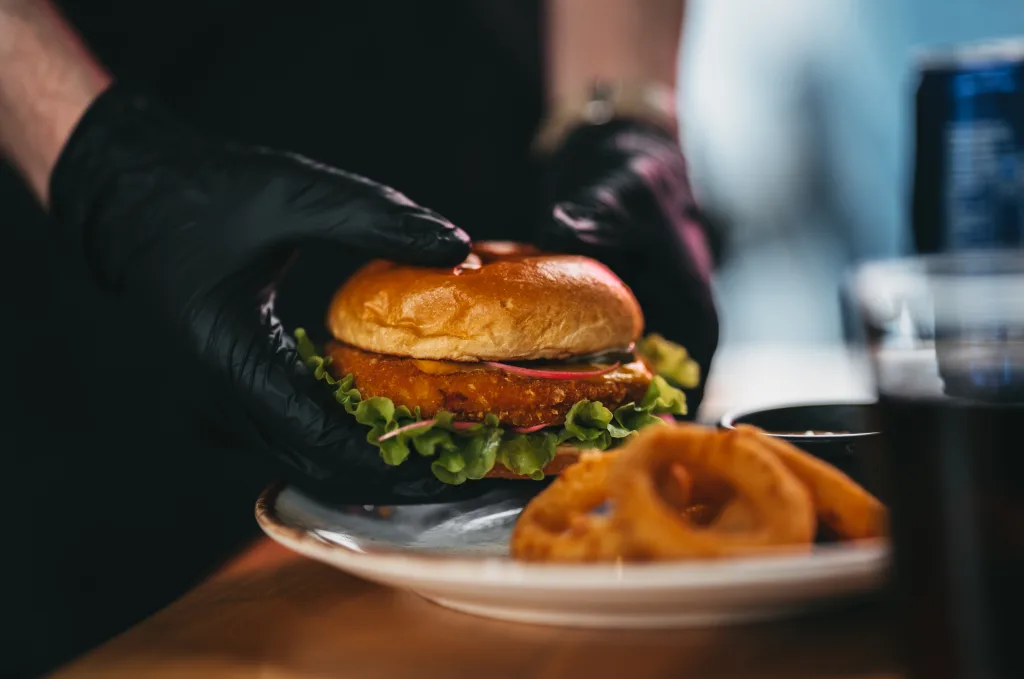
point(506, 302)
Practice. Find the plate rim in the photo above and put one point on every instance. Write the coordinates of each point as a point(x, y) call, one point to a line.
point(865, 558)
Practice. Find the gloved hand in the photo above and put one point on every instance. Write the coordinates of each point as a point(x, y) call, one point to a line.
point(196, 233)
point(619, 192)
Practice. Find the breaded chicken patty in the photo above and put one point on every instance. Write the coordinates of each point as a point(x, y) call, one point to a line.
point(472, 390)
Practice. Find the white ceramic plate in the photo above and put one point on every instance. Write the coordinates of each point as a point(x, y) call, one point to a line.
point(455, 555)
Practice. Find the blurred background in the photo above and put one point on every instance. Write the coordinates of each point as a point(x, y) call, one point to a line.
point(797, 122)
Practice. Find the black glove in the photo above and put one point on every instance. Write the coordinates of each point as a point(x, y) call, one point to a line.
point(197, 233)
point(619, 192)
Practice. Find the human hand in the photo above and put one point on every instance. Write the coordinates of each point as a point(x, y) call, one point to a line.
point(619, 192)
point(197, 234)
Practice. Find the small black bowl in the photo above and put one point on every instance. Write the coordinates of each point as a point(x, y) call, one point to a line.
point(842, 434)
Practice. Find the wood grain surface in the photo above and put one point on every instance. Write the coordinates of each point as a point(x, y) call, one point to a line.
point(273, 615)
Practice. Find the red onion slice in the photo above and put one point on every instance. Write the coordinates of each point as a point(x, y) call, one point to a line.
point(530, 430)
point(552, 374)
point(415, 425)
point(456, 425)
point(426, 423)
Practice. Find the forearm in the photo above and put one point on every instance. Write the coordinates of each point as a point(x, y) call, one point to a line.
point(47, 80)
point(611, 40)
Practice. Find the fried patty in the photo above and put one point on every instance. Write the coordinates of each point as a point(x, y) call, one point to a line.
point(470, 390)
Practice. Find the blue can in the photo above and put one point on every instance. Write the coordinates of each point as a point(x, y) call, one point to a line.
point(968, 186)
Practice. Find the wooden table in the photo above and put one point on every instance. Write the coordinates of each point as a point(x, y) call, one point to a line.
point(274, 615)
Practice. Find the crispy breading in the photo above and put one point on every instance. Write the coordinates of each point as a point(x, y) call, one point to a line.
point(472, 390)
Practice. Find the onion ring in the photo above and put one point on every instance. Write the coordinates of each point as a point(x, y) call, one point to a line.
point(652, 529)
point(848, 510)
point(735, 517)
point(677, 487)
point(715, 504)
point(556, 525)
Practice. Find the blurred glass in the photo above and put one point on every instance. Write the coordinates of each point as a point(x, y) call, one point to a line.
point(945, 335)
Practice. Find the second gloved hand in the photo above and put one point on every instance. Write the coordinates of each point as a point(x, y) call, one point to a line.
point(197, 233)
point(619, 192)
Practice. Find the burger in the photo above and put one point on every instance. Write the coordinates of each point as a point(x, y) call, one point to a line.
point(507, 365)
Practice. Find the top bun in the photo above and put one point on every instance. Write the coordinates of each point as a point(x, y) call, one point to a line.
point(506, 302)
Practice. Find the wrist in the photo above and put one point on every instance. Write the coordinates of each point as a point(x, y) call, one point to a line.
point(645, 102)
point(47, 81)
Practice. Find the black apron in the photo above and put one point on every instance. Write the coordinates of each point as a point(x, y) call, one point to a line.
point(118, 496)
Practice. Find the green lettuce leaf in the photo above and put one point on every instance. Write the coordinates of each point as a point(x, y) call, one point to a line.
point(587, 420)
point(631, 417)
point(433, 441)
point(480, 453)
point(381, 415)
point(374, 411)
point(343, 390)
point(670, 360)
point(528, 454)
point(465, 453)
point(451, 461)
point(602, 442)
point(662, 398)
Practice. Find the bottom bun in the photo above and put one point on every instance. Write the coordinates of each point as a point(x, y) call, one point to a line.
point(565, 456)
